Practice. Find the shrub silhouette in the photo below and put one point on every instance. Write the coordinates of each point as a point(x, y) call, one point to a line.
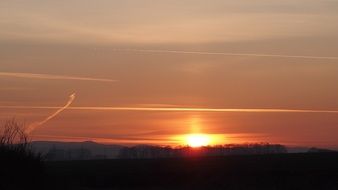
point(20, 166)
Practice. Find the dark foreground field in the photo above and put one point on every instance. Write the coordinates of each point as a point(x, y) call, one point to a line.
point(286, 171)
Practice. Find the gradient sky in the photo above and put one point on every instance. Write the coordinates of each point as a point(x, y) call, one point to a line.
point(51, 49)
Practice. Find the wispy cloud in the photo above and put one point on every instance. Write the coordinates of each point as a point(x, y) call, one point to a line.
point(52, 77)
point(181, 109)
point(13, 88)
point(226, 54)
point(33, 126)
point(115, 139)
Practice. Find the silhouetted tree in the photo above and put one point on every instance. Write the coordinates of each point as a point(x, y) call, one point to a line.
point(20, 166)
point(13, 137)
point(140, 152)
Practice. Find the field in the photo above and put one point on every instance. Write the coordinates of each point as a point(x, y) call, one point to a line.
point(282, 171)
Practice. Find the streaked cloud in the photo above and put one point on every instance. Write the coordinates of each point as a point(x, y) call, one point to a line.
point(226, 54)
point(165, 22)
point(180, 109)
point(35, 125)
point(147, 139)
point(52, 77)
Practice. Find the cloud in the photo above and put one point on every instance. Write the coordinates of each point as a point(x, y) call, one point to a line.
point(181, 109)
point(225, 21)
point(116, 139)
point(226, 54)
point(52, 77)
point(33, 126)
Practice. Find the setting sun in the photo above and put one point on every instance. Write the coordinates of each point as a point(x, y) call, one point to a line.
point(198, 140)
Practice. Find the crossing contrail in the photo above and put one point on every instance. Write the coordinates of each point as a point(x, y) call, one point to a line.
point(52, 77)
point(227, 54)
point(180, 109)
point(33, 126)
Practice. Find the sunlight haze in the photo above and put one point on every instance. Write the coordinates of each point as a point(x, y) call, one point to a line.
point(146, 72)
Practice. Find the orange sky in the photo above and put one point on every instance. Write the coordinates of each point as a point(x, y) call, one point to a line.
point(199, 54)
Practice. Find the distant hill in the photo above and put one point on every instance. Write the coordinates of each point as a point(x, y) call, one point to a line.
point(76, 150)
point(297, 149)
point(319, 150)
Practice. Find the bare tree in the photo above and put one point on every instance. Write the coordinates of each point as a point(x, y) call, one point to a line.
point(13, 136)
point(21, 167)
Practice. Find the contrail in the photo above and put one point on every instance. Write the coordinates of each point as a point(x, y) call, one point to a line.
point(226, 54)
point(181, 109)
point(52, 77)
point(33, 126)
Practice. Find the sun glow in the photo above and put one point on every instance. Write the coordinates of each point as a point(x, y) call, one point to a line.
point(197, 135)
point(198, 140)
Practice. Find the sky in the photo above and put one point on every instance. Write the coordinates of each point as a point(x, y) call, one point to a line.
point(154, 59)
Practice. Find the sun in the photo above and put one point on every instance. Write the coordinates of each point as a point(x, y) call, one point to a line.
point(198, 140)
